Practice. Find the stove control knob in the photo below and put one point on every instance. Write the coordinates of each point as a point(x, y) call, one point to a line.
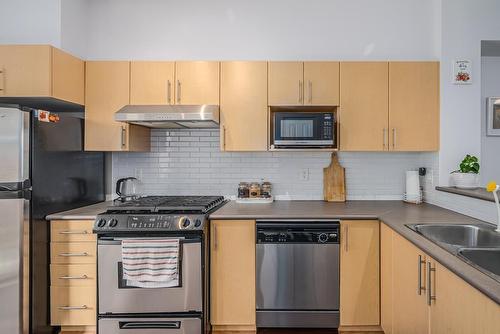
point(184, 222)
point(112, 222)
point(101, 222)
point(323, 237)
point(197, 222)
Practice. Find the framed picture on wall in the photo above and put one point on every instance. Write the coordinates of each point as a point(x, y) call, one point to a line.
point(493, 121)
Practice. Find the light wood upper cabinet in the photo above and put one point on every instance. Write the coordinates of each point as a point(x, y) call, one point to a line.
point(197, 82)
point(41, 71)
point(232, 274)
point(410, 311)
point(322, 83)
point(243, 106)
point(286, 83)
point(364, 91)
point(152, 83)
point(414, 106)
point(360, 273)
point(107, 91)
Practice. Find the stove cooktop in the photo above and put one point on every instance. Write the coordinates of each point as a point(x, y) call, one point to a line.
point(168, 204)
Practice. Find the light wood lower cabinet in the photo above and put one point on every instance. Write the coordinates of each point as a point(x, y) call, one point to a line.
point(448, 305)
point(232, 280)
point(73, 275)
point(359, 273)
point(243, 106)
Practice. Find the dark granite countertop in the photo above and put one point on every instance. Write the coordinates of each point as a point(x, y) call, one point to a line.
point(395, 214)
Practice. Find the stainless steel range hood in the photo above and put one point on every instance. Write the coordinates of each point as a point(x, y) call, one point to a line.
point(171, 116)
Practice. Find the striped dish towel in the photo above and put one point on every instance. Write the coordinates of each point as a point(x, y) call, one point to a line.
point(151, 263)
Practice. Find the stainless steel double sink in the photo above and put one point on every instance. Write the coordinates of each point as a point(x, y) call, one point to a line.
point(476, 244)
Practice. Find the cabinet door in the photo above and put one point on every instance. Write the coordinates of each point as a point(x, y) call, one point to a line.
point(25, 70)
point(459, 308)
point(286, 83)
point(68, 77)
point(364, 95)
point(197, 82)
point(322, 83)
point(243, 106)
point(386, 279)
point(414, 106)
point(151, 82)
point(411, 313)
point(359, 273)
point(107, 91)
point(73, 306)
point(233, 273)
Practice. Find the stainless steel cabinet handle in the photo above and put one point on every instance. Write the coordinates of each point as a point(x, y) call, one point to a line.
point(346, 238)
point(73, 232)
point(73, 254)
point(74, 277)
point(300, 91)
point(393, 138)
point(178, 91)
point(223, 136)
point(124, 136)
point(384, 137)
point(2, 80)
point(310, 91)
point(430, 270)
point(169, 92)
point(69, 308)
point(420, 288)
point(216, 244)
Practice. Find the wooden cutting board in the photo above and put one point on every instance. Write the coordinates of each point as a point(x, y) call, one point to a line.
point(334, 181)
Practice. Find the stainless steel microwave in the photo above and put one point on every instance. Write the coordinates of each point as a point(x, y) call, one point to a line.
point(304, 129)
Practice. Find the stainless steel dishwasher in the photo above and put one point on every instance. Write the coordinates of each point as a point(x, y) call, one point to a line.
point(298, 273)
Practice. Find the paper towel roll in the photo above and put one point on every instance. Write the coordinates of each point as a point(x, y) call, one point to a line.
point(412, 183)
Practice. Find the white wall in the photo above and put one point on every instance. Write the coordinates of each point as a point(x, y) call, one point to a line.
point(30, 22)
point(74, 24)
point(464, 24)
point(263, 29)
point(490, 146)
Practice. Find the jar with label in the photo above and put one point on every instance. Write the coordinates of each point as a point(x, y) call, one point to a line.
point(243, 190)
point(266, 189)
point(254, 190)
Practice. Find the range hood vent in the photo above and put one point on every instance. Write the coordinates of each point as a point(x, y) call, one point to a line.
point(171, 116)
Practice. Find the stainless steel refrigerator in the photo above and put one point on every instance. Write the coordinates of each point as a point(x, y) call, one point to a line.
point(43, 170)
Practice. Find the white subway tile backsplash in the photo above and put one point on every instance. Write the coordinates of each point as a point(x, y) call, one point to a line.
point(184, 162)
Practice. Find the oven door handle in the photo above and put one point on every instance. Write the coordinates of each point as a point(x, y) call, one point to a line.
point(149, 324)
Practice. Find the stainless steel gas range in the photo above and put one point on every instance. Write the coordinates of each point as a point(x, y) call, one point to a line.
point(181, 309)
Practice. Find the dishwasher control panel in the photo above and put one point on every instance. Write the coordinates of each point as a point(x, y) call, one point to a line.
point(290, 233)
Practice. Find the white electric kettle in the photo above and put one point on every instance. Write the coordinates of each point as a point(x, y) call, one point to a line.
point(127, 188)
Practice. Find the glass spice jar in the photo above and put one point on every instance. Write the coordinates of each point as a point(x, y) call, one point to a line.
point(243, 190)
point(266, 189)
point(254, 190)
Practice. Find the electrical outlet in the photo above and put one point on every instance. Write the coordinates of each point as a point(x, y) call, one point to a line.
point(304, 174)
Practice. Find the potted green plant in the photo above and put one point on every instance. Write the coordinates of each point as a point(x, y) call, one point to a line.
point(467, 177)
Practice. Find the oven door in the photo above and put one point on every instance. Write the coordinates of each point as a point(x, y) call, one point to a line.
point(149, 325)
point(116, 297)
point(309, 129)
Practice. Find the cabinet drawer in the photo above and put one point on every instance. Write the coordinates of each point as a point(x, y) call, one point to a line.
point(73, 306)
point(72, 230)
point(72, 252)
point(73, 275)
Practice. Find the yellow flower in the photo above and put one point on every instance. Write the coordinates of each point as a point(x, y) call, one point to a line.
point(491, 187)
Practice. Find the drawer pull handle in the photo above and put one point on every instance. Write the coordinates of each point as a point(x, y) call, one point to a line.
point(74, 232)
point(74, 277)
point(70, 308)
point(74, 254)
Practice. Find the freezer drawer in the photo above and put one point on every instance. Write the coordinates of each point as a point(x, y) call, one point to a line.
point(150, 325)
